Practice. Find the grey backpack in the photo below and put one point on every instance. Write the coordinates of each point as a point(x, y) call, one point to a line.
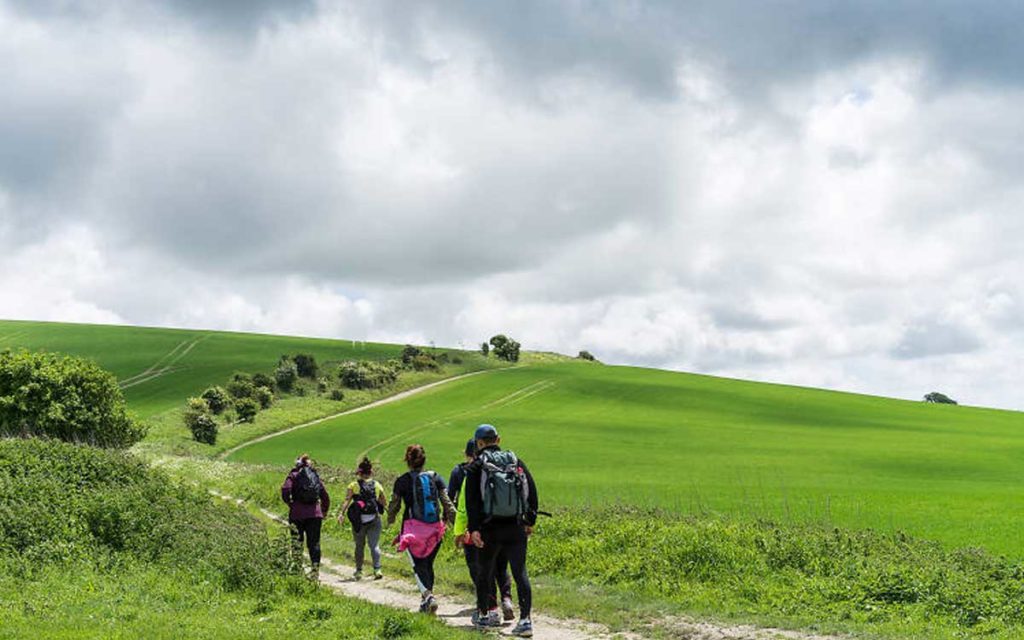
point(503, 485)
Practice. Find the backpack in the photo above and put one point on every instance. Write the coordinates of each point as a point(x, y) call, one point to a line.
point(367, 500)
point(306, 487)
point(503, 485)
point(426, 506)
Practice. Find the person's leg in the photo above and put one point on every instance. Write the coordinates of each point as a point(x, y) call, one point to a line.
point(501, 575)
point(424, 568)
point(373, 535)
point(516, 552)
point(296, 529)
point(312, 526)
point(486, 560)
point(360, 535)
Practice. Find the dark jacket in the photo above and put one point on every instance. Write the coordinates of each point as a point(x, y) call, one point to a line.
point(475, 501)
point(403, 494)
point(455, 480)
point(300, 510)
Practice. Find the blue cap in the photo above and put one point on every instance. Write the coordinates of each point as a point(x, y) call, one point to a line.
point(485, 431)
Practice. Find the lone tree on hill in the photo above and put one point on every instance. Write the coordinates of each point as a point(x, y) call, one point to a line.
point(586, 355)
point(485, 349)
point(939, 398)
point(53, 396)
point(505, 348)
point(286, 374)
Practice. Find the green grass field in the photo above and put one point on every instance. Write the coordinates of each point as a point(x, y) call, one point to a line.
point(159, 368)
point(598, 434)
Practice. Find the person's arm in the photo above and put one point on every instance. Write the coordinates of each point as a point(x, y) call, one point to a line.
point(325, 499)
point(532, 504)
point(396, 501)
point(286, 490)
point(345, 505)
point(446, 503)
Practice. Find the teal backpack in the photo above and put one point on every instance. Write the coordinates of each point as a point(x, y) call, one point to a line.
point(503, 485)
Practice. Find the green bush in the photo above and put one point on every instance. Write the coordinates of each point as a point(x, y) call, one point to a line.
point(246, 409)
point(241, 386)
point(505, 348)
point(305, 365)
point(265, 397)
point(263, 380)
point(63, 397)
point(424, 362)
point(286, 374)
point(369, 375)
point(337, 394)
point(217, 400)
point(199, 421)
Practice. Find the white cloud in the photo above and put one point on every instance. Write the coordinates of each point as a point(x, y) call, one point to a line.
point(659, 188)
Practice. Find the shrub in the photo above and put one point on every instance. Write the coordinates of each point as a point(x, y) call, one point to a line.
point(586, 355)
point(368, 375)
point(241, 386)
point(198, 420)
point(456, 359)
point(305, 365)
point(409, 352)
point(286, 374)
point(337, 394)
point(216, 399)
point(424, 362)
point(265, 397)
point(246, 409)
point(485, 349)
point(322, 385)
point(505, 348)
point(263, 380)
point(63, 397)
point(939, 398)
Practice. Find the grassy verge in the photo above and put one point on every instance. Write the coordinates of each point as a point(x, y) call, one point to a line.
point(639, 568)
point(167, 433)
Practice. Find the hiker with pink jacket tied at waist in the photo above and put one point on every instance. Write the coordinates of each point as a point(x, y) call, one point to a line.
point(427, 509)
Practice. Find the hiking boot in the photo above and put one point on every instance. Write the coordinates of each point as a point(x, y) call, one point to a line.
point(377, 575)
point(489, 620)
point(314, 572)
point(429, 605)
point(506, 609)
point(358, 575)
point(524, 629)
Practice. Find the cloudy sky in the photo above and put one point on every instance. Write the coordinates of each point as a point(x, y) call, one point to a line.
point(818, 193)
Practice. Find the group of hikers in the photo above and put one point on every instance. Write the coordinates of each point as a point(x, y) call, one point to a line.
point(490, 501)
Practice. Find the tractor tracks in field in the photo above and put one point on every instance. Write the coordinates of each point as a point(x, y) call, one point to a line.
point(167, 363)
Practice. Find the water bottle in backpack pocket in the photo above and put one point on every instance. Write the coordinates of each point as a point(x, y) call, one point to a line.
point(503, 485)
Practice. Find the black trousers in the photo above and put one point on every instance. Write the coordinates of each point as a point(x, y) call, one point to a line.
point(308, 529)
point(502, 582)
point(424, 568)
point(512, 540)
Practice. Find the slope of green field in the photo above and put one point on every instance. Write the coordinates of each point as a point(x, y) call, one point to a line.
point(598, 434)
point(159, 368)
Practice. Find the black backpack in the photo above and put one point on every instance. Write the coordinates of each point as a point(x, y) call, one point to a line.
point(307, 486)
point(367, 500)
point(426, 506)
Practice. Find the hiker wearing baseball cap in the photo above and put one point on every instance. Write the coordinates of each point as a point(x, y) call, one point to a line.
point(501, 509)
point(503, 581)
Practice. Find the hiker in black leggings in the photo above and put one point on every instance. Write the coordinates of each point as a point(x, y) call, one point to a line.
point(492, 534)
point(409, 491)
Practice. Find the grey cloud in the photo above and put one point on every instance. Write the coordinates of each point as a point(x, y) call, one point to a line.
point(935, 338)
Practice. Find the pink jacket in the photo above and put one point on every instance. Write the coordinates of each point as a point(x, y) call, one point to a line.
point(420, 538)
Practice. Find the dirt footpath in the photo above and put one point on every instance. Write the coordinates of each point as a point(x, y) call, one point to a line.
point(401, 593)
